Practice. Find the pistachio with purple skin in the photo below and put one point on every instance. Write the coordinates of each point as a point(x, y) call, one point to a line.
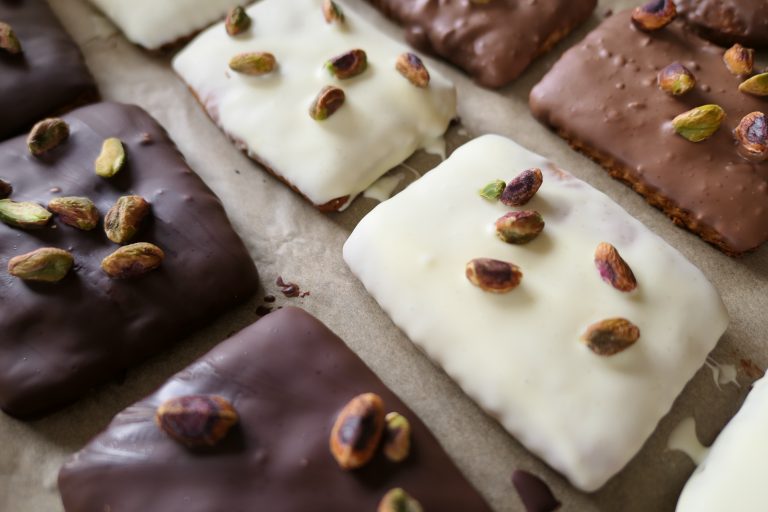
point(78, 212)
point(411, 67)
point(237, 21)
point(522, 188)
point(332, 12)
point(654, 15)
point(676, 79)
point(519, 227)
point(357, 431)
point(253, 63)
point(613, 269)
point(348, 65)
point(397, 500)
point(397, 437)
point(6, 189)
point(739, 60)
point(8, 40)
point(46, 135)
point(46, 265)
point(124, 219)
point(196, 420)
point(611, 336)
point(757, 85)
point(23, 215)
point(752, 134)
point(132, 261)
point(493, 276)
point(699, 123)
point(327, 102)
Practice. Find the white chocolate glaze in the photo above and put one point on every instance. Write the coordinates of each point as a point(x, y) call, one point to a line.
point(684, 439)
point(155, 23)
point(732, 475)
point(384, 120)
point(518, 354)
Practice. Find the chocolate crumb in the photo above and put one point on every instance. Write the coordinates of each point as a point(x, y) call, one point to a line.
point(269, 298)
point(288, 289)
point(237, 171)
point(534, 492)
point(146, 139)
point(608, 13)
point(263, 310)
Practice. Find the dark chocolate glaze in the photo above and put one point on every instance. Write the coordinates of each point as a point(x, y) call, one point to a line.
point(494, 43)
point(288, 376)
point(729, 21)
point(602, 95)
point(48, 77)
point(58, 340)
point(534, 492)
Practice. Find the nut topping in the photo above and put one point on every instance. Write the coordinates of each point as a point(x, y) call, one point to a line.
point(522, 189)
point(493, 276)
point(493, 190)
point(47, 135)
point(357, 431)
point(78, 212)
point(397, 500)
point(397, 437)
point(132, 261)
point(757, 85)
point(411, 67)
point(700, 123)
point(752, 134)
point(739, 60)
point(519, 227)
point(348, 65)
point(196, 420)
point(111, 160)
point(253, 63)
point(47, 265)
point(8, 40)
point(613, 269)
point(654, 15)
point(327, 103)
point(676, 79)
point(611, 336)
point(237, 21)
point(123, 220)
point(6, 189)
point(332, 12)
point(23, 215)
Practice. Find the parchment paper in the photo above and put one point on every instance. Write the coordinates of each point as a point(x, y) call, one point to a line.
point(289, 238)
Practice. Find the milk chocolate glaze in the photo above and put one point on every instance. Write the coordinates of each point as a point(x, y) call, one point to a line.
point(729, 21)
point(288, 376)
point(59, 340)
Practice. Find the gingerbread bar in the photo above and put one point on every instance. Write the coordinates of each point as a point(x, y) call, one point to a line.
point(726, 22)
point(284, 383)
point(327, 105)
point(131, 261)
point(552, 315)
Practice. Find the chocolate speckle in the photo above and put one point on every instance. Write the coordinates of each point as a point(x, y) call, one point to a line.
point(289, 289)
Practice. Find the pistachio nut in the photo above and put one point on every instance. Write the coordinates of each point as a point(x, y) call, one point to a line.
point(111, 160)
point(522, 188)
point(253, 63)
point(196, 420)
point(611, 336)
point(123, 220)
point(739, 60)
point(6, 189)
point(613, 269)
point(348, 65)
point(493, 276)
point(676, 79)
point(492, 191)
point(237, 21)
point(46, 135)
point(757, 85)
point(397, 500)
point(131, 261)
point(23, 215)
point(519, 227)
point(411, 67)
point(654, 15)
point(752, 134)
point(8, 40)
point(332, 12)
point(327, 102)
point(47, 265)
point(397, 437)
point(357, 431)
point(78, 212)
point(700, 123)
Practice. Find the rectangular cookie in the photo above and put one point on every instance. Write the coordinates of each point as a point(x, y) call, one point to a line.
point(727, 22)
point(602, 97)
point(287, 377)
point(48, 75)
point(383, 120)
point(520, 353)
point(494, 41)
point(60, 339)
point(731, 476)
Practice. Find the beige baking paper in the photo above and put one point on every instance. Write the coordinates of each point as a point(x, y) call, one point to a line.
point(289, 238)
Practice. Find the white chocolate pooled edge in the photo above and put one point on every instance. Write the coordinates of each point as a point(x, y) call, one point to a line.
point(518, 355)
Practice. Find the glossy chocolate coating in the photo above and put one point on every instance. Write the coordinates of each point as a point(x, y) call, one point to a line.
point(58, 340)
point(534, 492)
point(48, 77)
point(288, 377)
point(494, 42)
point(729, 21)
point(603, 97)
